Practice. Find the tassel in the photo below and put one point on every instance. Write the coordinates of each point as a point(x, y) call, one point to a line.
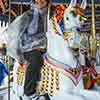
point(47, 79)
point(57, 80)
point(42, 78)
point(52, 83)
point(20, 75)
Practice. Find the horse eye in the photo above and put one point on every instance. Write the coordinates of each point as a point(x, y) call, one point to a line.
point(67, 18)
point(80, 18)
point(73, 13)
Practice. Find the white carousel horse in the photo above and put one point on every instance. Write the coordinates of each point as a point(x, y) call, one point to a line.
point(59, 60)
point(98, 50)
point(98, 57)
point(3, 26)
point(59, 52)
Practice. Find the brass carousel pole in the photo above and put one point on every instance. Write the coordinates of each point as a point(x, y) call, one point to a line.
point(93, 30)
point(21, 7)
point(8, 58)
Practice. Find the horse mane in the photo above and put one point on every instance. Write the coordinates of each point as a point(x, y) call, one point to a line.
point(58, 10)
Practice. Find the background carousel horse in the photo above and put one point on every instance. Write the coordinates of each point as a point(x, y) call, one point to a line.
point(61, 74)
point(3, 63)
point(98, 57)
point(3, 69)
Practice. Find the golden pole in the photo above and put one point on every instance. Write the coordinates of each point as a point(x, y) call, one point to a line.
point(93, 30)
point(8, 64)
point(21, 8)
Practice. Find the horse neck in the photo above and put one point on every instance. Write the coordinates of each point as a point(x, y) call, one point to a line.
point(59, 50)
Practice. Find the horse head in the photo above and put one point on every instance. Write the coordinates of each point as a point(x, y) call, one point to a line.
point(74, 19)
point(74, 16)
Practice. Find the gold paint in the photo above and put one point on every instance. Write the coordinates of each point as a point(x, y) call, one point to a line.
point(93, 40)
point(20, 75)
point(50, 80)
point(42, 79)
point(57, 80)
point(66, 36)
point(46, 81)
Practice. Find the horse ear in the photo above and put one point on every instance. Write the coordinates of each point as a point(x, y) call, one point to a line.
point(72, 3)
point(84, 4)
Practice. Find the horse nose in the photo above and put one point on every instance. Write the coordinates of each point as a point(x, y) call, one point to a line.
point(78, 29)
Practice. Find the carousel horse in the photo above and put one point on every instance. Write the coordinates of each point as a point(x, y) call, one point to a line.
point(3, 69)
point(61, 75)
point(3, 66)
point(98, 57)
point(60, 58)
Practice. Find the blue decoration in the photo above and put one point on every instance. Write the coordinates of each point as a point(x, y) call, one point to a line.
point(3, 72)
point(62, 25)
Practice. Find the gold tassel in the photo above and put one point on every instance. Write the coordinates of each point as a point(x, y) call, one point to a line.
point(42, 78)
point(57, 80)
point(47, 79)
point(20, 75)
point(52, 83)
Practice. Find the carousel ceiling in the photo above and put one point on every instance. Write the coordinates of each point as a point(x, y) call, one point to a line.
point(88, 12)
